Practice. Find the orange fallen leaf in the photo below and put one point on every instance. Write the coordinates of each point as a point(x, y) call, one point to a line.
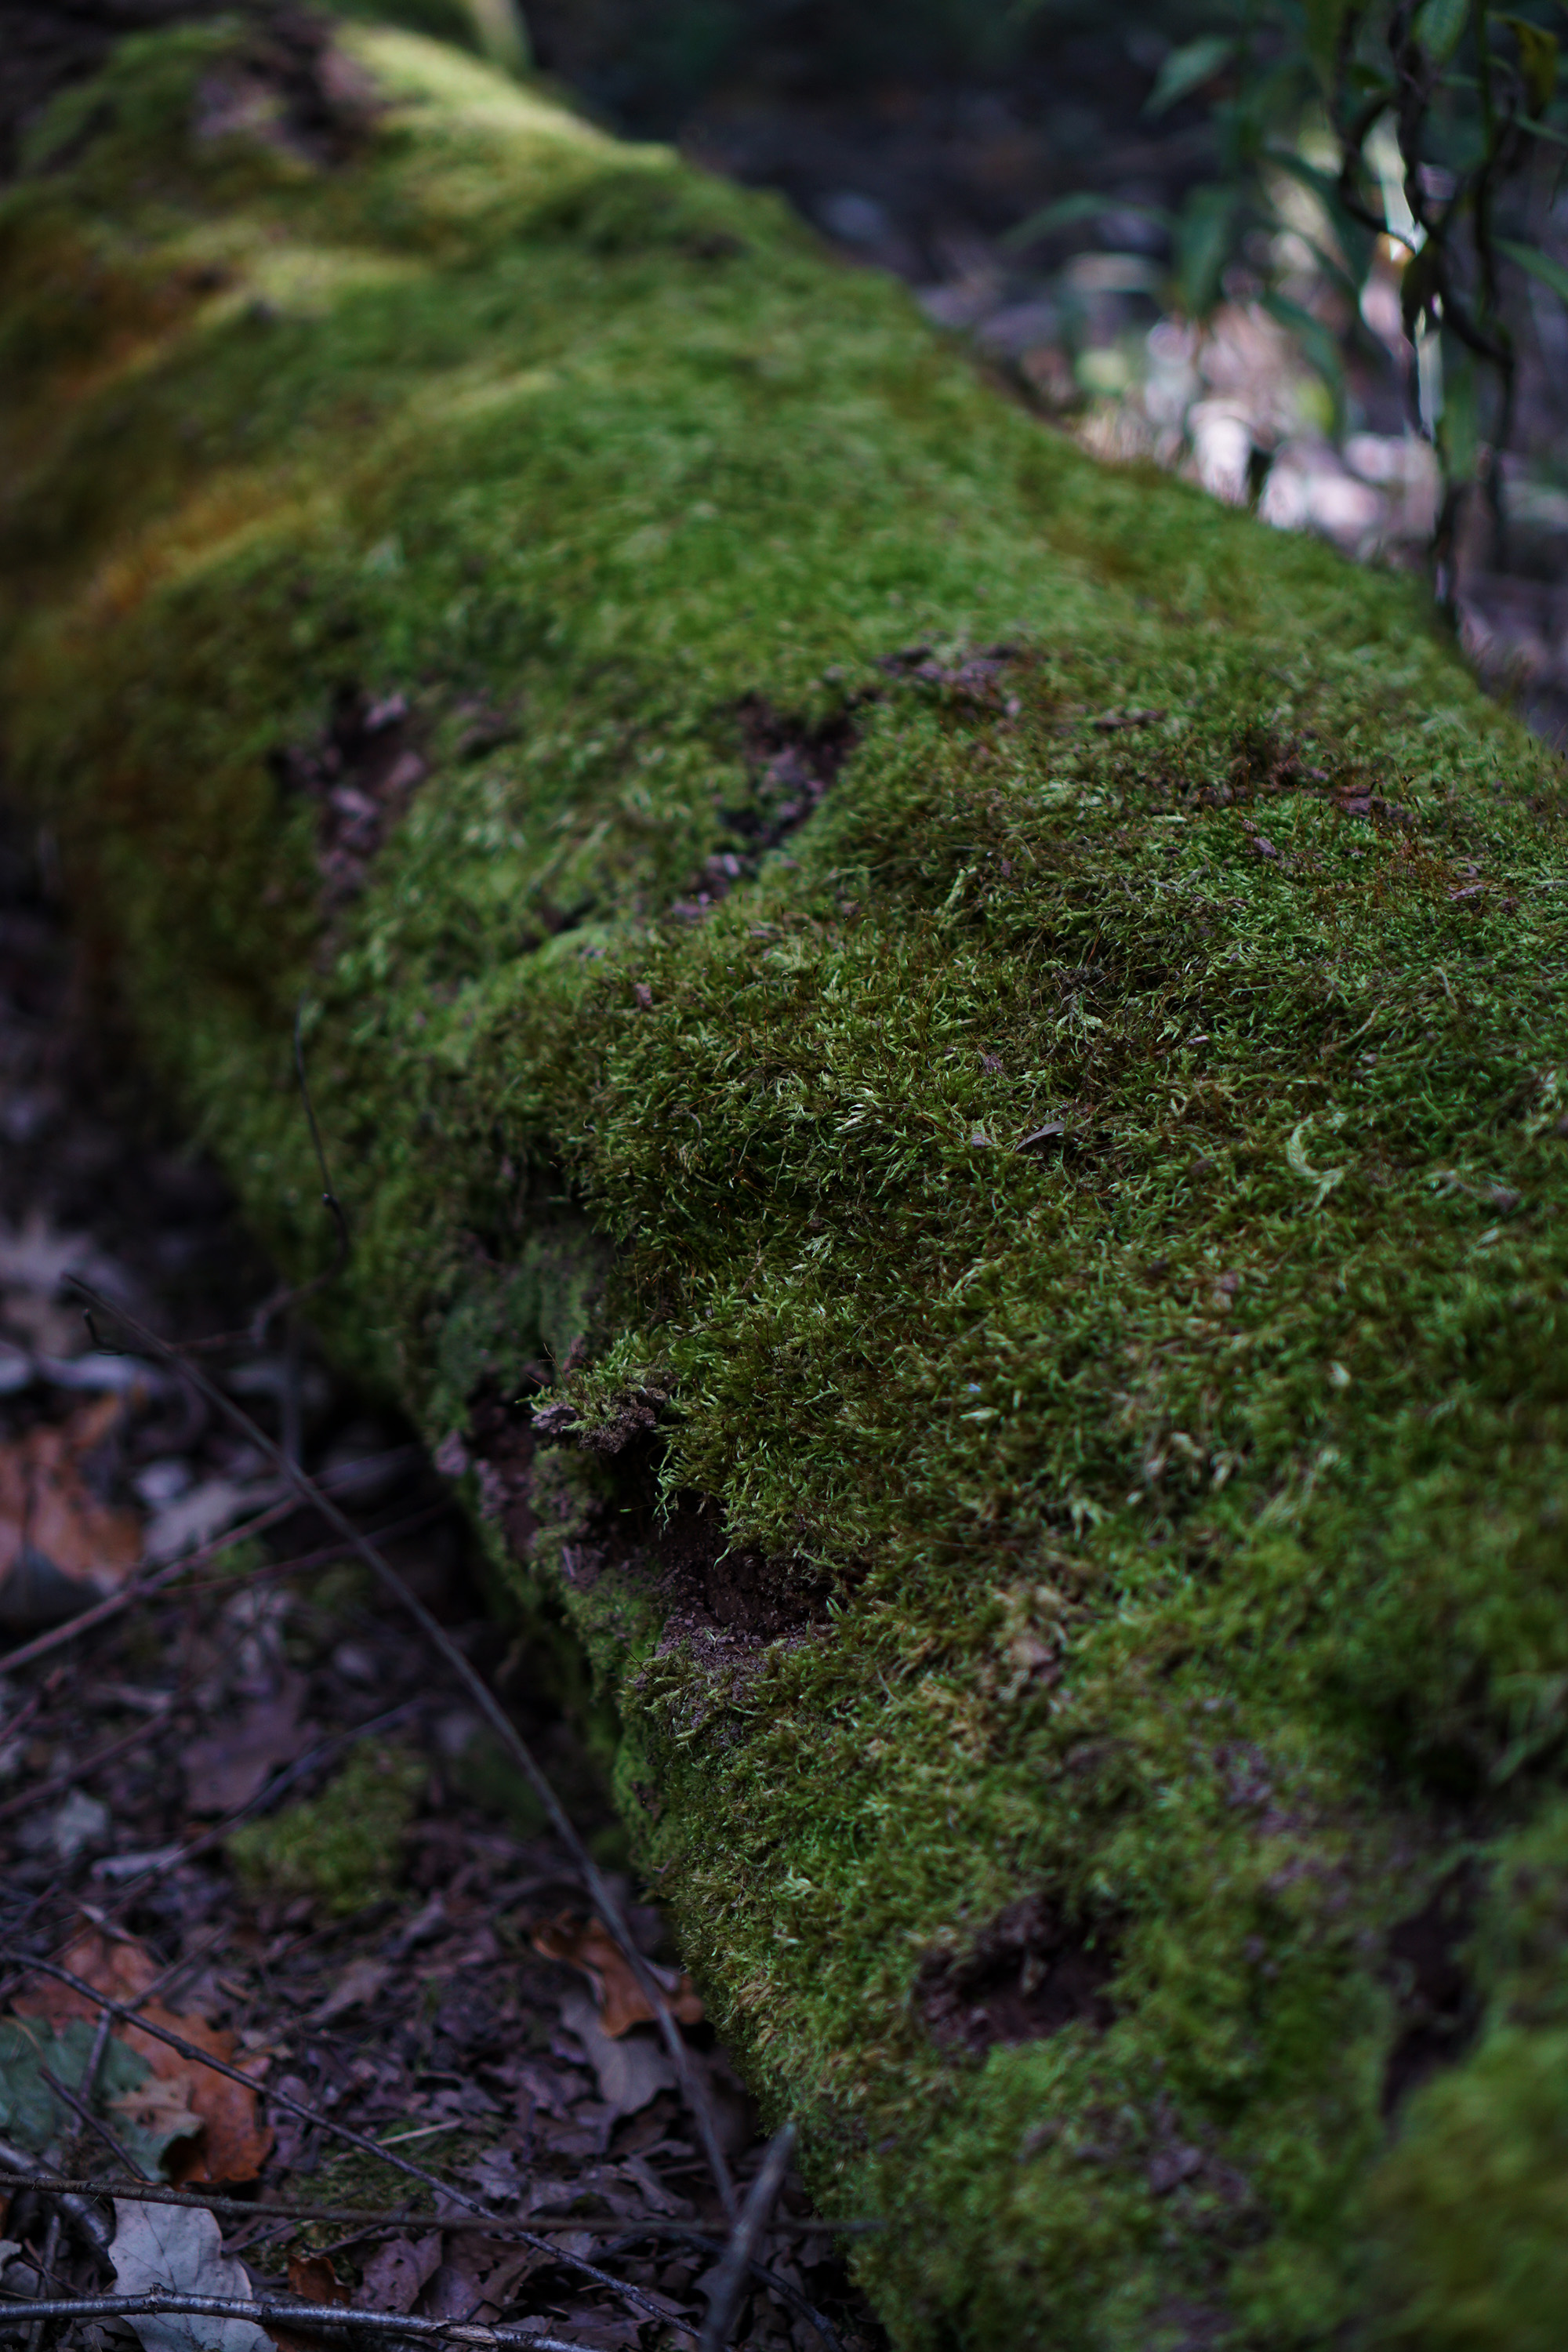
point(312, 2277)
point(233, 2145)
point(54, 1532)
point(590, 1946)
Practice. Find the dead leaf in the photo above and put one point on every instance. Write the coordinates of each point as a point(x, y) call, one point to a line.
point(178, 2247)
point(396, 2271)
point(60, 1547)
point(161, 2106)
point(312, 2277)
point(592, 1949)
point(233, 2145)
point(226, 1771)
point(359, 1983)
point(478, 2280)
point(630, 2073)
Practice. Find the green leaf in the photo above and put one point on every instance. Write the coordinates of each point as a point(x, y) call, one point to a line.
point(1536, 62)
point(29, 2111)
point(1439, 26)
point(1325, 19)
point(1187, 69)
point(1540, 265)
point(1067, 211)
point(1458, 427)
point(1205, 239)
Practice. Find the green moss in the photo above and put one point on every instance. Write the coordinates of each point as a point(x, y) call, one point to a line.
point(343, 1848)
point(1089, 1201)
point(1474, 2203)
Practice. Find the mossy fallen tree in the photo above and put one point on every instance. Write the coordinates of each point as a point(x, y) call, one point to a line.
point(948, 1069)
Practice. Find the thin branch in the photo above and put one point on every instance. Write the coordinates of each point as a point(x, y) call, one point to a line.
point(84, 2114)
point(128, 1596)
point(367, 2146)
point(605, 1900)
point(16, 2174)
point(279, 2312)
point(729, 2279)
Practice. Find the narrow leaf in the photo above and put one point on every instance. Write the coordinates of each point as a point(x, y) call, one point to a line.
point(1187, 69)
point(1324, 19)
point(1318, 342)
point(1540, 265)
point(1439, 26)
point(1536, 62)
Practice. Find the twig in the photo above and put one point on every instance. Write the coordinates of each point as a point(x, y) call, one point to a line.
point(84, 2114)
point(77, 2208)
point(279, 2312)
point(605, 1901)
point(367, 2146)
point(16, 2175)
point(136, 1886)
point(729, 2279)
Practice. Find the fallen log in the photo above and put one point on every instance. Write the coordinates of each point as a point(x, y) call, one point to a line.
point(948, 1070)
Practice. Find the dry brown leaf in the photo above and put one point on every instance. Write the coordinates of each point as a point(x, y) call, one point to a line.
point(312, 2277)
point(396, 2271)
point(161, 2106)
point(590, 1946)
point(359, 1984)
point(54, 1532)
point(224, 1771)
point(233, 2145)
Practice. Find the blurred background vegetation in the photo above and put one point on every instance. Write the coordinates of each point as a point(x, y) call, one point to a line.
point(1310, 253)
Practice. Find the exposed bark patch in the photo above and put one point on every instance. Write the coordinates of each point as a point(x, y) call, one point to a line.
point(681, 1551)
point(1437, 2000)
point(790, 764)
point(1027, 1974)
point(288, 87)
point(361, 774)
point(972, 683)
point(500, 1445)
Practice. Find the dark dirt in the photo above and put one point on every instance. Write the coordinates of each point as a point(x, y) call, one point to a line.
point(1026, 1975)
point(1437, 1998)
point(679, 1548)
point(360, 775)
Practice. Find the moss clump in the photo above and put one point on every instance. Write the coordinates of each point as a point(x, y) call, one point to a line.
point(343, 1848)
point(990, 1036)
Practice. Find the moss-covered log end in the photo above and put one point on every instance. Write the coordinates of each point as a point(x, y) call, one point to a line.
point(949, 1071)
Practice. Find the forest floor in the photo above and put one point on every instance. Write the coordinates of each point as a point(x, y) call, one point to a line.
point(252, 1805)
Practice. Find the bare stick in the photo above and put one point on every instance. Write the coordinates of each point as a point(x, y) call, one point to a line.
point(605, 1901)
point(277, 2312)
point(275, 2099)
point(16, 2174)
point(730, 2275)
point(84, 2114)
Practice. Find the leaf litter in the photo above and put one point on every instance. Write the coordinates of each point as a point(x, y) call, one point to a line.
point(468, 2011)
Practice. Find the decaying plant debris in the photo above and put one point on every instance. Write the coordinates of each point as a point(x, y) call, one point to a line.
point(1020, 1338)
point(237, 1805)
